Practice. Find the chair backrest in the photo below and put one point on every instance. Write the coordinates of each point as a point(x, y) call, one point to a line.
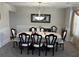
point(42, 29)
point(24, 38)
point(36, 38)
point(50, 39)
point(64, 34)
point(53, 29)
point(13, 32)
point(33, 29)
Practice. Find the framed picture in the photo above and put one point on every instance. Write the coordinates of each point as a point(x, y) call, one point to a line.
point(46, 19)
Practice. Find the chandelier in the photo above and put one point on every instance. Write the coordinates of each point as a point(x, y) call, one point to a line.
point(39, 17)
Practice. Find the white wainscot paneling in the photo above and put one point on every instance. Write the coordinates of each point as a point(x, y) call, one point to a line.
point(4, 36)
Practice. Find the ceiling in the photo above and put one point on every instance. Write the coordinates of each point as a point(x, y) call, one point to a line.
point(46, 4)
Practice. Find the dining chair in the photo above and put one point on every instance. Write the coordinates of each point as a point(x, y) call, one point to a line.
point(50, 43)
point(53, 29)
point(14, 37)
point(24, 41)
point(36, 42)
point(42, 29)
point(33, 29)
point(63, 35)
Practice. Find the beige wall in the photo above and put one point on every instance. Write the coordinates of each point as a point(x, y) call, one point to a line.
point(21, 19)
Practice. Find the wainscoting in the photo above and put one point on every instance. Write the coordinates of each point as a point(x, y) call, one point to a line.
point(4, 36)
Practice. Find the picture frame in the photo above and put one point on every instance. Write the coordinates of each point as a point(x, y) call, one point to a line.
point(45, 20)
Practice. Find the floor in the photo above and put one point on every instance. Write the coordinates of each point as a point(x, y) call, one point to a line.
point(9, 51)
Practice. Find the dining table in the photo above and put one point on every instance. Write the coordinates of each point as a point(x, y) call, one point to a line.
point(59, 38)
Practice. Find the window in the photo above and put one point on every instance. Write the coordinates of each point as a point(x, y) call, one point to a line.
point(76, 24)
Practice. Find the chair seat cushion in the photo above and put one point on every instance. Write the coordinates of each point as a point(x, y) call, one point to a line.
point(24, 44)
point(50, 46)
point(37, 45)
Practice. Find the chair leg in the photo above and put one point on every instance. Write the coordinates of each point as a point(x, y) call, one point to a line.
point(21, 50)
point(60, 45)
point(46, 52)
point(19, 45)
point(63, 46)
point(28, 50)
point(16, 43)
point(39, 51)
point(53, 52)
point(56, 47)
point(13, 44)
point(32, 51)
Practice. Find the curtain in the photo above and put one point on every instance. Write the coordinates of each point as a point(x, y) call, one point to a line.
point(71, 24)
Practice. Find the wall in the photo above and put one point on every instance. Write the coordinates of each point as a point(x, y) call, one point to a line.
point(21, 19)
point(4, 24)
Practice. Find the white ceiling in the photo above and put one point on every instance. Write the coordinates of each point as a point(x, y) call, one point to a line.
point(46, 4)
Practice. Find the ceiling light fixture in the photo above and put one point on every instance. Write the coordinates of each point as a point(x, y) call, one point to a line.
point(39, 17)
